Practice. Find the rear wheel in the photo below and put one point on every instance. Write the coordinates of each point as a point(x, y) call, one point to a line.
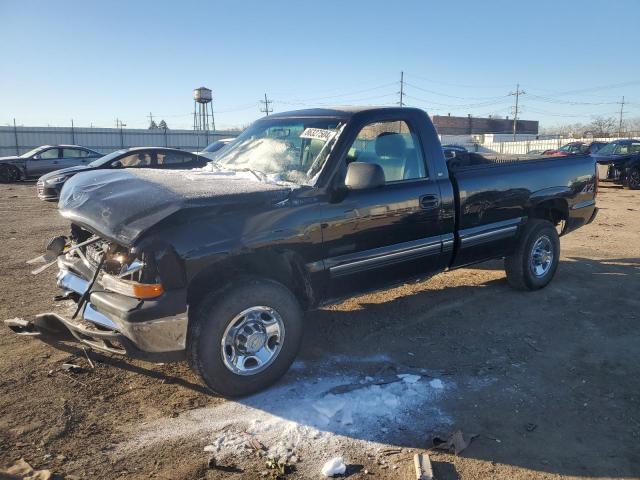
point(9, 174)
point(244, 338)
point(535, 261)
point(633, 179)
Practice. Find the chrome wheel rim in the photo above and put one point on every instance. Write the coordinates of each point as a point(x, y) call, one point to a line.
point(541, 256)
point(634, 178)
point(252, 340)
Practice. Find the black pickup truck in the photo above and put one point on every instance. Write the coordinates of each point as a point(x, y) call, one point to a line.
point(302, 209)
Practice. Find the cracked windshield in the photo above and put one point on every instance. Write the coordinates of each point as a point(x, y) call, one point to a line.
point(282, 150)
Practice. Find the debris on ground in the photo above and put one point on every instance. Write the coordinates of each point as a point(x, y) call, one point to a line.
point(333, 467)
point(213, 464)
point(86, 354)
point(71, 367)
point(422, 463)
point(531, 427)
point(455, 443)
point(278, 469)
point(390, 451)
point(21, 470)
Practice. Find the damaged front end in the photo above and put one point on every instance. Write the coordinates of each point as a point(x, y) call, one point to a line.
point(118, 299)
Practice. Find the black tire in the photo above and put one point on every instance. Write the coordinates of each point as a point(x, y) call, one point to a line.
point(519, 268)
point(633, 179)
point(215, 313)
point(9, 174)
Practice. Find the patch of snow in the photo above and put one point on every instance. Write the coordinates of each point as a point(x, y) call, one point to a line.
point(436, 383)
point(334, 467)
point(313, 412)
point(409, 378)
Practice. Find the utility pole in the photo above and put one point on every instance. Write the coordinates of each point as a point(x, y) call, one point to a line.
point(120, 124)
point(517, 94)
point(266, 102)
point(150, 119)
point(401, 92)
point(621, 110)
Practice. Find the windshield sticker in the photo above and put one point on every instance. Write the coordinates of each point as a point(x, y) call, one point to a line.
point(318, 134)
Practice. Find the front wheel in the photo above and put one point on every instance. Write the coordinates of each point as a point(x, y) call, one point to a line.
point(535, 261)
point(244, 338)
point(9, 174)
point(633, 179)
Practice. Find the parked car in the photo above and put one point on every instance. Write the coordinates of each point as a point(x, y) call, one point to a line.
point(451, 151)
point(304, 208)
point(619, 162)
point(43, 160)
point(49, 185)
point(574, 148)
point(211, 150)
point(458, 157)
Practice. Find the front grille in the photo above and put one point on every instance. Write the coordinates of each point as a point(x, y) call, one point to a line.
point(94, 251)
point(40, 187)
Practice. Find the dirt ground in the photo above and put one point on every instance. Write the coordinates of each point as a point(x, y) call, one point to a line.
point(550, 380)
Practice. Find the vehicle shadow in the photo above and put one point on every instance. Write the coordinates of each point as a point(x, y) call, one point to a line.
point(546, 377)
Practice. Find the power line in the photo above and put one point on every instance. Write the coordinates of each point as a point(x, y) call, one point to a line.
point(266, 102)
point(457, 84)
point(453, 96)
point(304, 101)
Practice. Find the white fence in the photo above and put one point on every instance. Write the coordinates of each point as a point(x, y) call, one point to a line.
point(523, 147)
point(17, 140)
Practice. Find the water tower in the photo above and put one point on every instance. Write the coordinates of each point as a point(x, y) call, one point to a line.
point(202, 110)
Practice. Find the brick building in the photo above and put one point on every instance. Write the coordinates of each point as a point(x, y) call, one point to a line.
point(448, 125)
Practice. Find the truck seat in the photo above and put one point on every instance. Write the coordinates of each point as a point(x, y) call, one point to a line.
point(391, 150)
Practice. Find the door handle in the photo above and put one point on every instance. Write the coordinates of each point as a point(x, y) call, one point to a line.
point(429, 202)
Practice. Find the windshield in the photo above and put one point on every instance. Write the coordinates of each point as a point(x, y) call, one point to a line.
point(615, 148)
point(608, 149)
point(31, 153)
point(106, 159)
point(283, 149)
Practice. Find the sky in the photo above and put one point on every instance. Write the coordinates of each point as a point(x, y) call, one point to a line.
point(95, 62)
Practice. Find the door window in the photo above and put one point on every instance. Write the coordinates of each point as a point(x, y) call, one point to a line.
point(50, 154)
point(394, 146)
point(74, 153)
point(173, 158)
point(142, 159)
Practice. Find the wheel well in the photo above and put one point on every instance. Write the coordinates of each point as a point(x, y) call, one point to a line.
point(283, 267)
point(556, 211)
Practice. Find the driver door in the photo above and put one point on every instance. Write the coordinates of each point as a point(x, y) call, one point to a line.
point(44, 162)
point(377, 237)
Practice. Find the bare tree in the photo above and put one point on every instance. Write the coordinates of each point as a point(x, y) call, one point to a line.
point(602, 126)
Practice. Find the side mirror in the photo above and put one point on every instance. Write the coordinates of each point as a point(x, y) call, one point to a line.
point(36, 156)
point(117, 164)
point(363, 176)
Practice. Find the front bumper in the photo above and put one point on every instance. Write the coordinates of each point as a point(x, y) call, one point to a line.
point(153, 330)
point(48, 192)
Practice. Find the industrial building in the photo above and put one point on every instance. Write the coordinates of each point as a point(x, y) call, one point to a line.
point(448, 125)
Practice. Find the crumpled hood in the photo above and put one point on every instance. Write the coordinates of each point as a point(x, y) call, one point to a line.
point(121, 205)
